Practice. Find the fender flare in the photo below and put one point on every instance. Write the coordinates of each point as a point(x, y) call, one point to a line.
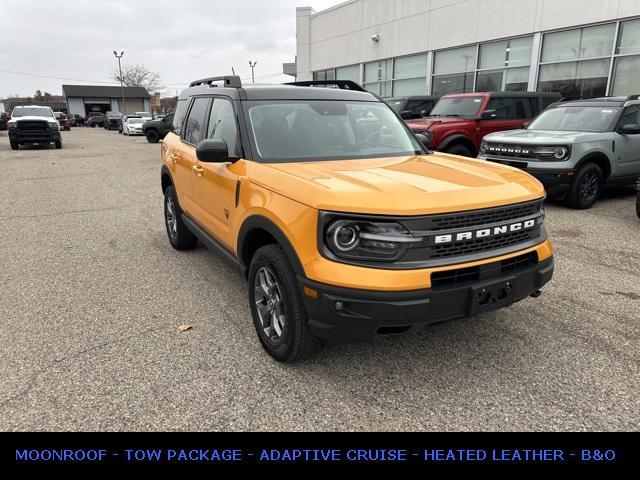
point(455, 138)
point(259, 222)
point(600, 156)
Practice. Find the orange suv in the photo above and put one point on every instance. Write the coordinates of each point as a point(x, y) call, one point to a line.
point(344, 224)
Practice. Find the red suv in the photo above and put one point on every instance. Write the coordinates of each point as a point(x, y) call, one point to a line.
point(458, 122)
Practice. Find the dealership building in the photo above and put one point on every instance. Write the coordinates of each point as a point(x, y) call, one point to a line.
point(580, 48)
point(83, 99)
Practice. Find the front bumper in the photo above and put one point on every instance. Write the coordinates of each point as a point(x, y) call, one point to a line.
point(555, 180)
point(344, 315)
point(30, 137)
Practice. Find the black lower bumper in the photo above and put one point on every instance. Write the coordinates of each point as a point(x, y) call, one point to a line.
point(556, 181)
point(34, 137)
point(346, 315)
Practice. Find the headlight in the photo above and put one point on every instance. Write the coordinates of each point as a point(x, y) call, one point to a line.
point(553, 153)
point(53, 124)
point(13, 124)
point(364, 240)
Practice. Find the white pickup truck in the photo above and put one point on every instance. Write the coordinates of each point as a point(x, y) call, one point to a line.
point(33, 125)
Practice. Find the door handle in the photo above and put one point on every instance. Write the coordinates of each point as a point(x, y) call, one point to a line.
point(197, 170)
point(174, 158)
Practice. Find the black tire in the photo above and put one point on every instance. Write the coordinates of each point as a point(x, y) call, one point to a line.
point(459, 150)
point(14, 145)
point(295, 341)
point(58, 144)
point(179, 235)
point(153, 136)
point(638, 198)
point(93, 125)
point(586, 187)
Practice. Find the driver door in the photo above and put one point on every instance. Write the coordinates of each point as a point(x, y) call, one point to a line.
point(628, 146)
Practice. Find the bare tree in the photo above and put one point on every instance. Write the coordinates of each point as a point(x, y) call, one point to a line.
point(139, 76)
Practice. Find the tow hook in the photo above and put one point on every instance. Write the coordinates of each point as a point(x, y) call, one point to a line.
point(536, 294)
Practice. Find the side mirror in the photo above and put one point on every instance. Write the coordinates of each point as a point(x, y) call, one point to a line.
point(630, 129)
point(424, 139)
point(213, 151)
point(526, 125)
point(489, 115)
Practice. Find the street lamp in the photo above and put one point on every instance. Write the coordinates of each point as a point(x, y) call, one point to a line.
point(119, 57)
point(253, 66)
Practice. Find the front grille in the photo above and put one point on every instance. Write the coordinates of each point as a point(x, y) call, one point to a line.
point(484, 217)
point(467, 276)
point(33, 126)
point(470, 247)
point(510, 150)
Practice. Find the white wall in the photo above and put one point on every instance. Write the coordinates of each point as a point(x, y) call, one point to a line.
point(341, 35)
point(75, 106)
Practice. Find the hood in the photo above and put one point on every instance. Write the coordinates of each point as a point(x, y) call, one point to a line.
point(542, 137)
point(429, 122)
point(416, 185)
point(33, 117)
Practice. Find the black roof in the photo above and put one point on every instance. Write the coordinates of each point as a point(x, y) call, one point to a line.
point(99, 91)
point(598, 102)
point(413, 97)
point(280, 92)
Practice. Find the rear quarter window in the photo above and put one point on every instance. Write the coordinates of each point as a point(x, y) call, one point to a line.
point(178, 118)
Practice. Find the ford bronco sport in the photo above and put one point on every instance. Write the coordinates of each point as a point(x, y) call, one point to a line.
point(33, 125)
point(575, 148)
point(345, 226)
point(458, 122)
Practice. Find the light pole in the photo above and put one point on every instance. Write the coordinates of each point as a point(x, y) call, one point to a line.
point(253, 66)
point(119, 57)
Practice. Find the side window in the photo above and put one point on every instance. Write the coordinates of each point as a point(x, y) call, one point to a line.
point(178, 118)
point(419, 108)
point(196, 122)
point(505, 108)
point(535, 106)
point(523, 108)
point(222, 124)
point(630, 116)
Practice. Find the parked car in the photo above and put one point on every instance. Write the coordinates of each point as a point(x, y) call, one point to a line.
point(63, 120)
point(123, 120)
point(132, 126)
point(79, 120)
point(33, 125)
point(156, 130)
point(112, 121)
point(4, 119)
point(575, 148)
point(458, 122)
point(345, 234)
point(411, 108)
point(95, 119)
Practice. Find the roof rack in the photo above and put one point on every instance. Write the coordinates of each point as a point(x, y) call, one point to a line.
point(632, 97)
point(341, 84)
point(230, 81)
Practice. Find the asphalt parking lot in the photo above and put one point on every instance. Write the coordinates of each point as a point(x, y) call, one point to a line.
point(93, 294)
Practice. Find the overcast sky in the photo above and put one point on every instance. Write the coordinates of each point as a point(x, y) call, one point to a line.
point(183, 40)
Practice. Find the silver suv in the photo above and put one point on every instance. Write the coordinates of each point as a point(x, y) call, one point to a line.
point(575, 148)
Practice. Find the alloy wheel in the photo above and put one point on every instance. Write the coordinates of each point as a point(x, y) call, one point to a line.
point(172, 219)
point(269, 304)
point(589, 187)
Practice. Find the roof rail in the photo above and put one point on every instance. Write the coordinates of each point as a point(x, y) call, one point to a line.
point(632, 97)
point(230, 81)
point(341, 84)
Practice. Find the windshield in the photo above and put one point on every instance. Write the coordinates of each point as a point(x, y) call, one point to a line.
point(576, 119)
point(32, 112)
point(135, 120)
point(457, 107)
point(327, 130)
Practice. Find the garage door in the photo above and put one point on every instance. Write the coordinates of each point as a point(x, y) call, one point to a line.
point(133, 105)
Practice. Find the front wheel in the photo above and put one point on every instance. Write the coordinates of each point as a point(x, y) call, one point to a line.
point(586, 187)
point(278, 312)
point(58, 144)
point(153, 136)
point(460, 150)
point(14, 145)
point(179, 235)
point(638, 199)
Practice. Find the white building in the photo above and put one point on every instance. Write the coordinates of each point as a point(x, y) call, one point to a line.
point(580, 48)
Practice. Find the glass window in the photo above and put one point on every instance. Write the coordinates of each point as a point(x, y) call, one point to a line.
point(410, 67)
point(320, 75)
point(222, 124)
point(510, 80)
point(507, 108)
point(458, 107)
point(414, 86)
point(461, 83)
point(629, 41)
point(377, 71)
point(327, 130)
point(455, 61)
point(178, 119)
point(630, 116)
point(575, 79)
point(194, 128)
point(349, 73)
point(580, 43)
point(331, 74)
point(576, 119)
point(509, 53)
point(625, 76)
